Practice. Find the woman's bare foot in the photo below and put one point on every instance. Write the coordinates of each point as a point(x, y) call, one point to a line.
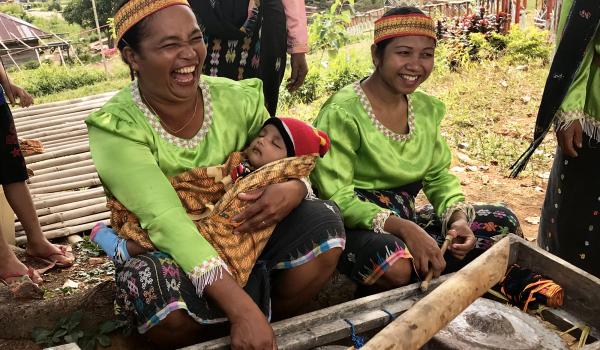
point(43, 249)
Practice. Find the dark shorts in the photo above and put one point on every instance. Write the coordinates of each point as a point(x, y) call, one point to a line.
point(12, 163)
point(151, 285)
point(368, 254)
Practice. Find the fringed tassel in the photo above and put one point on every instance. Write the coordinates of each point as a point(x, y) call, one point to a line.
point(206, 274)
point(521, 163)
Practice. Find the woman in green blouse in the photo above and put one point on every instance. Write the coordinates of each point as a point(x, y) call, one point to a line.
point(386, 146)
point(169, 120)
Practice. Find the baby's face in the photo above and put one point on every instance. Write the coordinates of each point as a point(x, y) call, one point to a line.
point(267, 147)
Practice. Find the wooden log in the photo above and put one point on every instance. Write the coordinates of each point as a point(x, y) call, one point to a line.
point(62, 174)
point(60, 153)
point(422, 321)
point(59, 161)
point(18, 319)
point(66, 180)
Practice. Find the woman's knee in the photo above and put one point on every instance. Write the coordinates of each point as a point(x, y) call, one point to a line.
point(177, 325)
point(397, 275)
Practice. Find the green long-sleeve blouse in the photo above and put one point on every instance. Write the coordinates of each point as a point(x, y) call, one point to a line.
point(134, 156)
point(365, 154)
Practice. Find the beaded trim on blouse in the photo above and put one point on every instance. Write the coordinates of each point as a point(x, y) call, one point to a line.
point(164, 134)
point(380, 219)
point(385, 131)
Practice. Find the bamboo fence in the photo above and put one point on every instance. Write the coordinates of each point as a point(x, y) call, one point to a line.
point(66, 190)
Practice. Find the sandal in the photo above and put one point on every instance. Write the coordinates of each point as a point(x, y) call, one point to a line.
point(65, 251)
point(22, 286)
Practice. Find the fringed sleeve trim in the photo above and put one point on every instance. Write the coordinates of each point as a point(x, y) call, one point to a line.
point(464, 207)
point(379, 221)
point(206, 274)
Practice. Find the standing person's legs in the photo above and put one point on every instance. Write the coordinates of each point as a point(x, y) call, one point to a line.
point(303, 252)
point(570, 222)
point(273, 51)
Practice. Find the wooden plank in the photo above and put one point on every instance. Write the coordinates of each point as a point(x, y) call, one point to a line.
point(582, 290)
point(368, 307)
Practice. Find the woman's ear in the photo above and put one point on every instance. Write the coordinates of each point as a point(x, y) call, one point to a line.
point(131, 58)
point(374, 57)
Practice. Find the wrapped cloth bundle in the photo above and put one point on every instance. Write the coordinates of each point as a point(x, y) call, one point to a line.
point(522, 286)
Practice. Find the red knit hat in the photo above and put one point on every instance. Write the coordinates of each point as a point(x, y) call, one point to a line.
point(300, 138)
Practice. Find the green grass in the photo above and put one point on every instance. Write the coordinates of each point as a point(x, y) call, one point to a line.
point(104, 86)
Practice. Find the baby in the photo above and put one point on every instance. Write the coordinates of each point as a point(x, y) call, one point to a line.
point(285, 148)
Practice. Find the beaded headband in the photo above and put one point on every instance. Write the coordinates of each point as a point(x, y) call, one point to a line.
point(136, 10)
point(404, 25)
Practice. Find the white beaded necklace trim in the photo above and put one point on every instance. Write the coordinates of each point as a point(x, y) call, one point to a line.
point(164, 134)
point(385, 131)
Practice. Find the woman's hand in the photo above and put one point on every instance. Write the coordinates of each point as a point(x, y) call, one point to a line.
point(421, 245)
point(570, 138)
point(249, 326)
point(464, 241)
point(15, 92)
point(273, 203)
point(299, 71)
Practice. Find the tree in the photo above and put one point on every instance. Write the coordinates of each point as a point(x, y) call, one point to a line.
point(80, 12)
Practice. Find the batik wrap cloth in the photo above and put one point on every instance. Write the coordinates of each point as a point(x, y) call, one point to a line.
point(211, 200)
point(404, 25)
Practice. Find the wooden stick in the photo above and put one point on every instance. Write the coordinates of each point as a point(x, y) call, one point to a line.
point(422, 321)
point(62, 135)
point(66, 167)
point(65, 130)
point(60, 153)
point(20, 112)
point(64, 181)
point(429, 276)
point(72, 223)
point(61, 217)
point(66, 146)
point(70, 206)
point(54, 121)
point(66, 140)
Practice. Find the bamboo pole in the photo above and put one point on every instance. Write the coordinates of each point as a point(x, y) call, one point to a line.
point(64, 134)
point(55, 128)
point(68, 180)
point(41, 135)
point(59, 111)
point(64, 152)
point(53, 121)
point(59, 161)
point(73, 222)
point(69, 186)
point(65, 141)
point(62, 217)
point(82, 170)
point(65, 167)
point(70, 197)
point(22, 111)
point(62, 232)
point(59, 148)
point(70, 206)
point(422, 321)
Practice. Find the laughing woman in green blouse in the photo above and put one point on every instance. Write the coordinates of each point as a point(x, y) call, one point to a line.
point(386, 146)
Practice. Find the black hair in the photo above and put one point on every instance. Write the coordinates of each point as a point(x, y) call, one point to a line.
point(132, 38)
point(403, 10)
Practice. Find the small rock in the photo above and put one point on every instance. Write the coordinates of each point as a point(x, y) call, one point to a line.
point(524, 185)
point(95, 261)
point(504, 83)
point(464, 182)
point(463, 145)
point(539, 189)
point(522, 67)
point(71, 284)
point(534, 220)
point(485, 180)
point(526, 99)
point(472, 168)
point(457, 169)
point(484, 168)
point(544, 175)
point(464, 158)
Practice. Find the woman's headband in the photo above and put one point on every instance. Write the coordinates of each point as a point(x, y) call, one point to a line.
point(404, 25)
point(136, 10)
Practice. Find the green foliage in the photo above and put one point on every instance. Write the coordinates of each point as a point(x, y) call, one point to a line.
point(15, 10)
point(54, 5)
point(48, 79)
point(528, 45)
point(57, 25)
point(327, 30)
point(80, 12)
point(68, 331)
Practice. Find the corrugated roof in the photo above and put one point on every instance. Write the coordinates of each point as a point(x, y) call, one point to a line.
point(11, 27)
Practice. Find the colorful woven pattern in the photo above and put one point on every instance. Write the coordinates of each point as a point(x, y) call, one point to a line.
point(211, 200)
point(136, 10)
point(404, 25)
